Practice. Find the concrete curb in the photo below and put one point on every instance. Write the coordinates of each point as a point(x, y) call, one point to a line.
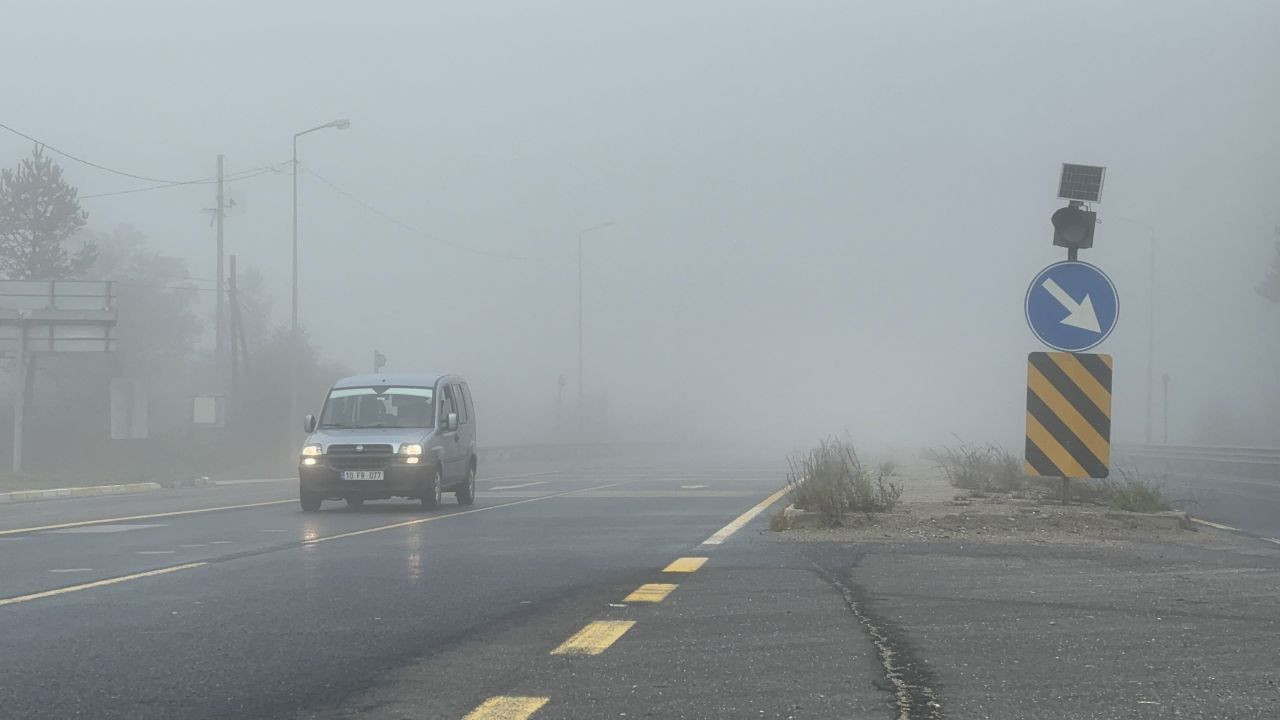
point(18, 496)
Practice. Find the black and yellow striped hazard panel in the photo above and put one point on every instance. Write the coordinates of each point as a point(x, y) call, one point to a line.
point(1068, 415)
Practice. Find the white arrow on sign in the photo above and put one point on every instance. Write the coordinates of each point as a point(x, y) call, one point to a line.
point(1079, 314)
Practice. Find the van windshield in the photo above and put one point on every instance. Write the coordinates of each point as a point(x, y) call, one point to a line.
point(378, 407)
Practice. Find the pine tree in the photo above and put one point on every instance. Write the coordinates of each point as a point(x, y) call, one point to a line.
point(39, 212)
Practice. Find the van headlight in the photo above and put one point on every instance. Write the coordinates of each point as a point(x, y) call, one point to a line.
point(411, 449)
point(312, 450)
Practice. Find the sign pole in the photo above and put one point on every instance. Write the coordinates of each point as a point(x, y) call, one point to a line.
point(20, 399)
point(1073, 255)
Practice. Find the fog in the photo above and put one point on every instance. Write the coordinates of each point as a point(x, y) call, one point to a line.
point(825, 215)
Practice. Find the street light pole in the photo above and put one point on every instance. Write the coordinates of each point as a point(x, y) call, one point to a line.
point(294, 345)
point(1151, 320)
point(581, 392)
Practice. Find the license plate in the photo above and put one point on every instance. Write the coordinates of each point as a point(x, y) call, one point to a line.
point(361, 474)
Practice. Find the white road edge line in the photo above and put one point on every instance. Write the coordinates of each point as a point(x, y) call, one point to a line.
point(174, 513)
point(723, 533)
point(1218, 526)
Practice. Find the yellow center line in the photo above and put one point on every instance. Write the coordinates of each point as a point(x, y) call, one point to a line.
point(175, 513)
point(420, 521)
point(507, 707)
point(723, 533)
point(685, 565)
point(650, 592)
point(595, 638)
point(98, 583)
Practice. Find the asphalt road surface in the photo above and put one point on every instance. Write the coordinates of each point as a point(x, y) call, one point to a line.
point(1244, 504)
point(230, 602)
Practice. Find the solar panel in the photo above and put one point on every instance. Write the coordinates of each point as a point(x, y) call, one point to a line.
point(1081, 182)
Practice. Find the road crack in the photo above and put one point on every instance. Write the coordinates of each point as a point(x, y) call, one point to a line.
point(907, 678)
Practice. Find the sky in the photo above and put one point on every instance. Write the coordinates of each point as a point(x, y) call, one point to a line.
point(825, 214)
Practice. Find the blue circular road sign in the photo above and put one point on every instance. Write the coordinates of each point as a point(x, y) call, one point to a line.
point(1072, 306)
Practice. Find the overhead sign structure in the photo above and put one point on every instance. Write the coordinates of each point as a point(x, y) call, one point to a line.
point(1068, 415)
point(1072, 306)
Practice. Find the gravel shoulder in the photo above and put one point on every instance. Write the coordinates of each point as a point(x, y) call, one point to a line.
point(1011, 610)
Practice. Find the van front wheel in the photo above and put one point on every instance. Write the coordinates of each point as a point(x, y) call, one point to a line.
point(310, 501)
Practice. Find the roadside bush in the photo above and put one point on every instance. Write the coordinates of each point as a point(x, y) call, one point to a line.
point(830, 479)
point(1136, 494)
point(981, 468)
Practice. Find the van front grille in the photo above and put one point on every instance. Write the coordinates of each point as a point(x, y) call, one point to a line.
point(368, 457)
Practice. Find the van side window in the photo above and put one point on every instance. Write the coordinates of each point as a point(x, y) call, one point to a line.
point(460, 403)
point(466, 398)
point(446, 405)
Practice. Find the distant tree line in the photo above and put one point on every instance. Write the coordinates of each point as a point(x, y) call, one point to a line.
point(44, 235)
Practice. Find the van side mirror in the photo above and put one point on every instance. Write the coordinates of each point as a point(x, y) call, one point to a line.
point(453, 422)
point(309, 424)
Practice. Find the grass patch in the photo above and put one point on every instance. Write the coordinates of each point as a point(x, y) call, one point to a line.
point(830, 479)
point(1136, 494)
point(979, 468)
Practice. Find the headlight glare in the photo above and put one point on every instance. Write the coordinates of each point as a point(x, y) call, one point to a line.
point(312, 450)
point(411, 449)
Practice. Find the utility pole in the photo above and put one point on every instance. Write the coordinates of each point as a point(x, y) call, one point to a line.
point(235, 349)
point(20, 395)
point(1166, 408)
point(581, 369)
point(1151, 334)
point(220, 330)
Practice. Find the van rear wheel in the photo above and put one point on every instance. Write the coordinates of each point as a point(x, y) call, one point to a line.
point(467, 493)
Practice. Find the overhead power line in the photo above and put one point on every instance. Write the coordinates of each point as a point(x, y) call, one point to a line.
point(235, 177)
point(421, 233)
point(161, 183)
point(90, 163)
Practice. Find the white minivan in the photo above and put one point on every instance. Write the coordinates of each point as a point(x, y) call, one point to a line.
point(390, 435)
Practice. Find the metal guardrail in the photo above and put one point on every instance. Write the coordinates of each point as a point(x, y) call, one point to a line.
point(1245, 462)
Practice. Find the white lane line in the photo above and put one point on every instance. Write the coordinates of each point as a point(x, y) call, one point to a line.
point(433, 518)
point(97, 584)
point(517, 485)
point(156, 552)
point(254, 481)
point(521, 475)
point(221, 542)
point(193, 545)
point(723, 533)
point(692, 487)
point(94, 529)
point(67, 570)
point(1272, 540)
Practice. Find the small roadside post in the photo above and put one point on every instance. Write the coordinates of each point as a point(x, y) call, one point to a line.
point(1072, 307)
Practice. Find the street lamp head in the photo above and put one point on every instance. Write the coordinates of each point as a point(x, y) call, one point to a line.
point(342, 124)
